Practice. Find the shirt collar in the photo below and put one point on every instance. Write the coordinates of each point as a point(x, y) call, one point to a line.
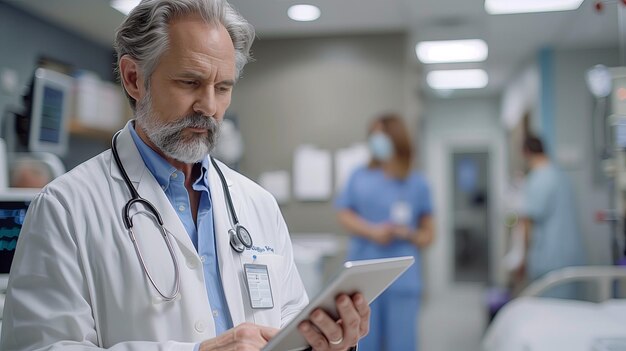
point(162, 170)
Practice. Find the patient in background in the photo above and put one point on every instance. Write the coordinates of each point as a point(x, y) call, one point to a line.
point(29, 173)
point(553, 238)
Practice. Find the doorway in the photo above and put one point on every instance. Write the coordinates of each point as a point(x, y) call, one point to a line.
point(470, 215)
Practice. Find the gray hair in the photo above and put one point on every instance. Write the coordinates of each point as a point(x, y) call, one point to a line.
point(144, 33)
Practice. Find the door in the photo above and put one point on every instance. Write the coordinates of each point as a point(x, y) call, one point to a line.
point(470, 215)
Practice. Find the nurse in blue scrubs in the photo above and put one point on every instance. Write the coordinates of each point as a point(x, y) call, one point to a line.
point(387, 208)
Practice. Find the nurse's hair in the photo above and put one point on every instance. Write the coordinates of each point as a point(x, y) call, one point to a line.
point(533, 145)
point(392, 124)
point(144, 33)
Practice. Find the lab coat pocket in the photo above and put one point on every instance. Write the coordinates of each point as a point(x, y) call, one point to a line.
point(274, 263)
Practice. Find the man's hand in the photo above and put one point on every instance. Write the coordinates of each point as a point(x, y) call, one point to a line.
point(324, 334)
point(244, 337)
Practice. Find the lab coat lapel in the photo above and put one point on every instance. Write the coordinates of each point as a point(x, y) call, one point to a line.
point(228, 260)
point(148, 187)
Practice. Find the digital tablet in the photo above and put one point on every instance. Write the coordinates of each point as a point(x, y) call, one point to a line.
point(369, 277)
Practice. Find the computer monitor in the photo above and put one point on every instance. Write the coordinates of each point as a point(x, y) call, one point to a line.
point(49, 112)
point(13, 207)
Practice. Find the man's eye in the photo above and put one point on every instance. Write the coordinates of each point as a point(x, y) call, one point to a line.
point(223, 89)
point(189, 82)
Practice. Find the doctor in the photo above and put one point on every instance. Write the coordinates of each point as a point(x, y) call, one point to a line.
point(153, 245)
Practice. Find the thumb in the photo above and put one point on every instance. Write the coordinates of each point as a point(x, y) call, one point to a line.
point(268, 332)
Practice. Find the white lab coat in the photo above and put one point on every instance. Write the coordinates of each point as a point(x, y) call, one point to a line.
point(76, 282)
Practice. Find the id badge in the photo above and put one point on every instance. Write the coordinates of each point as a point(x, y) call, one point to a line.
point(259, 288)
point(401, 213)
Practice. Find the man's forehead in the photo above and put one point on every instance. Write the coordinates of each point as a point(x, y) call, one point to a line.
point(200, 36)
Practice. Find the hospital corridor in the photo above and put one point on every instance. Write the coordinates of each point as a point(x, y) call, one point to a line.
point(313, 175)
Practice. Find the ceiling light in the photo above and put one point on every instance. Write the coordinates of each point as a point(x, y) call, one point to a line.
point(124, 6)
point(446, 51)
point(499, 7)
point(457, 79)
point(304, 13)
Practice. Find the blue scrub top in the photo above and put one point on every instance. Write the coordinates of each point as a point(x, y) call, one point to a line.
point(556, 241)
point(371, 194)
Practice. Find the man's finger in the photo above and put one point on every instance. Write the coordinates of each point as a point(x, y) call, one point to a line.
point(364, 312)
point(351, 320)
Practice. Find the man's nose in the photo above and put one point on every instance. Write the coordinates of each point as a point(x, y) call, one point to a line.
point(206, 104)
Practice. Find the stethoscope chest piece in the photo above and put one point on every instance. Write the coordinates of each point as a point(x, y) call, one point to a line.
point(240, 238)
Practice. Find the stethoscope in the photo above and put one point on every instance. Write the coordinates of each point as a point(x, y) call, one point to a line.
point(240, 238)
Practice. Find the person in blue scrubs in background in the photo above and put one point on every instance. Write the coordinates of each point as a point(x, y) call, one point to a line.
point(387, 208)
point(553, 237)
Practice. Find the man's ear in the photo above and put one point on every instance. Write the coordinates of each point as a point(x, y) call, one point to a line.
point(131, 77)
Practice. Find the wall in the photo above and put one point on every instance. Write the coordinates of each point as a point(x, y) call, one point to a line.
point(321, 91)
point(461, 124)
point(573, 108)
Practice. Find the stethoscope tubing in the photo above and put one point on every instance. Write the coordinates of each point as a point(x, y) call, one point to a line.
point(240, 238)
point(154, 213)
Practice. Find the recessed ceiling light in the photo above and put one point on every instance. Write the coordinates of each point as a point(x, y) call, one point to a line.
point(124, 6)
point(304, 13)
point(446, 51)
point(457, 79)
point(500, 7)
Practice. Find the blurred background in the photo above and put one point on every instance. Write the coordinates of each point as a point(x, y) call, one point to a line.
point(300, 113)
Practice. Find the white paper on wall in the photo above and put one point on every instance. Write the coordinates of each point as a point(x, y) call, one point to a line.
point(347, 160)
point(87, 94)
point(277, 183)
point(99, 104)
point(312, 174)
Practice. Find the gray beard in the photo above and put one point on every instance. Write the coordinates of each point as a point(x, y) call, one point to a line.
point(170, 137)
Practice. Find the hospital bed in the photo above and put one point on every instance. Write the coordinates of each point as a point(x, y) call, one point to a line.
point(534, 323)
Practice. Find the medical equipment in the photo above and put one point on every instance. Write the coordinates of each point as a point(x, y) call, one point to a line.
point(43, 125)
point(240, 238)
point(13, 206)
point(4, 166)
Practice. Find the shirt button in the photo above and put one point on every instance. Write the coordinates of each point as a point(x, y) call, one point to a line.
point(203, 258)
point(200, 327)
point(174, 175)
point(181, 208)
point(216, 313)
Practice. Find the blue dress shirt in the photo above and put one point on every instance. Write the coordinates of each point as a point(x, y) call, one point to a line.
point(202, 234)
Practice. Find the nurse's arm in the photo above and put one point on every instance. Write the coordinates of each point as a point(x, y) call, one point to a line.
point(353, 223)
point(527, 227)
point(425, 233)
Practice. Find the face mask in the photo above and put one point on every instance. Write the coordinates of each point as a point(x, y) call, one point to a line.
point(380, 146)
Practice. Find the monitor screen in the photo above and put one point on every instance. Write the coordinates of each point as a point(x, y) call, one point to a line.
point(51, 115)
point(50, 112)
point(12, 214)
point(13, 207)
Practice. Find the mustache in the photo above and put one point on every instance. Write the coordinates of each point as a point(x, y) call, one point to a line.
point(197, 121)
